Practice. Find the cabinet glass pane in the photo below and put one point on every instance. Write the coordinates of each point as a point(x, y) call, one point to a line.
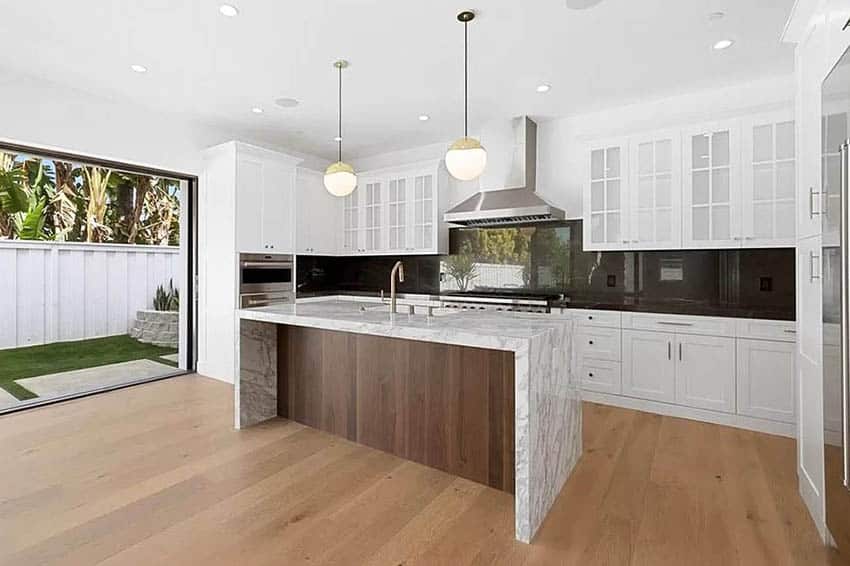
point(645, 232)
point(720, 148)
point(613, 227)
point(428, 190)
point(418, 188)
point(785, 140)
point(719, 185)
point(763, 220)
point(645, 190)
point(419, 213)
point(663, 190)
point(597, 196)
point(700, 188)
point(645, 158)
point(597, 164)
point(836, 132)
point(663, 156)
point(832, 173)
point(763, 143)
point(700, 223)
point(785, 220)
point(427, 237)
point(785, 179)
point(763, 181)
point(597, 228)
point(699, 151)
point(612, 162)
point(612, 196)
point(720, 222)
point(664, 225)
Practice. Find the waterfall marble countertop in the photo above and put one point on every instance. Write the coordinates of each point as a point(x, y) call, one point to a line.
point(547, 400)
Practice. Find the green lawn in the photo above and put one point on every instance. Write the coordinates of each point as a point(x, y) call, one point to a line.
point(65, 356)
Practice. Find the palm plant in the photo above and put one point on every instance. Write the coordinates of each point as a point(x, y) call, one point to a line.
point(96, 188)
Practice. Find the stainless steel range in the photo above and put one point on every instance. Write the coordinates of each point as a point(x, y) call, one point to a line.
point(499, 300)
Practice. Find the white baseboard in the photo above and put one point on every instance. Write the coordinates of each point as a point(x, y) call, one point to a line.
point(667, 409)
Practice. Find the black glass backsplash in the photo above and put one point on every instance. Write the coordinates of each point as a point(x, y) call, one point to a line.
point(548, 259)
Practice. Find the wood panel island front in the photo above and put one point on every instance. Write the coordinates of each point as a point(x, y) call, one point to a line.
point(484, 396)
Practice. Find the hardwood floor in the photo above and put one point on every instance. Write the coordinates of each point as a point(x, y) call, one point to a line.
point(155, 474)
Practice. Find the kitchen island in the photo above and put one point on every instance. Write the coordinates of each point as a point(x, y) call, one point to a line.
point(487, 396)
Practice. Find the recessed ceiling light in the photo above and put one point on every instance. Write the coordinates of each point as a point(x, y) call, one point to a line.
point(424, 117)
point(287, 102)
point(228, 10)
point(257, 110)
point(544, 87)
point(723, 44)
point(139, 68)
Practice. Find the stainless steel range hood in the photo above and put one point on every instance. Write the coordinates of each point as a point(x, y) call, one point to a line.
point(508, 185)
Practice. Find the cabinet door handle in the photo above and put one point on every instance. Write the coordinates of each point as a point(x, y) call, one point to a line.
point(590, 342)
point(680, 351)
point(590, 374)
point(812, 211)
point(813, 274)
point(668, 323)
point(669, 351)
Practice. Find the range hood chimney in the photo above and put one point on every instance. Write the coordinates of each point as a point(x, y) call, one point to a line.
point(508, 194)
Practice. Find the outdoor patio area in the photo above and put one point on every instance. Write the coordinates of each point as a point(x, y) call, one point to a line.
point(67, 368)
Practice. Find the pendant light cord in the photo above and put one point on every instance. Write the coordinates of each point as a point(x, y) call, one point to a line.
point(466, 79)
point(339, 141)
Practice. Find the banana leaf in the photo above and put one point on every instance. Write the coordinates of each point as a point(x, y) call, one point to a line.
point(13, 198)
point(30, 225)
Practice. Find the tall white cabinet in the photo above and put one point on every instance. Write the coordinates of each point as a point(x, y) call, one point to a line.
point(246, 204)
point(317, 215)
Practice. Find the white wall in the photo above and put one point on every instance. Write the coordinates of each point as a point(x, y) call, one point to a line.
point(61, 291)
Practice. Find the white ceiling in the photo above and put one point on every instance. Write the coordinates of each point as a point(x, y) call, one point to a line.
point(405, 59)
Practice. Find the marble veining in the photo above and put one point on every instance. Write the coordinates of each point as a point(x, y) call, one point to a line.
point(547, 402)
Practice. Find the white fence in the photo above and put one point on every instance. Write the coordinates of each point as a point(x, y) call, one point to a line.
point(489, 275)
point(56, 291)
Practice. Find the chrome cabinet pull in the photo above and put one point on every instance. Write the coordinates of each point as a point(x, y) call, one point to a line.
point(813, 275)
point(812, 211)
point(669, 351)
point(680, 351)
point(668, 323)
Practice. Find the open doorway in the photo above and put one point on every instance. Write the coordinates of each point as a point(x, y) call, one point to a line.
point(96, 275)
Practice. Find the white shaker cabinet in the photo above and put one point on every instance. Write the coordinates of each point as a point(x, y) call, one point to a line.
point(352, 241)
point(705, 372)
point(373, 213)
point(398, 211)
point(649, 371)
point(265, 200)
point(318, 215)
point(711, 188)
point(766, 379)
point(606, 196)
point(424, 237)
point(769, 180)
point(655, 191)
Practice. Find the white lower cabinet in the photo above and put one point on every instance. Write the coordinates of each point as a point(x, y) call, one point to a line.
point(601, 375)
point(766, 385)
point(705, 372)
point(648, 368)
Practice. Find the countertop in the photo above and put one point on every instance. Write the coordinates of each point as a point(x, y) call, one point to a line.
point(487, 329)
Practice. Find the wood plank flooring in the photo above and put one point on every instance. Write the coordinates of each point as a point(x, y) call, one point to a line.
point(155, 474)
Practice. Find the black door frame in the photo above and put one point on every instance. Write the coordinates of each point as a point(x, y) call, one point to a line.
point(191, 264)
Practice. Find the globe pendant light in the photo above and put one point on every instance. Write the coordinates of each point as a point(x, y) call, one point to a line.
point(466, 157)
point(340, 179)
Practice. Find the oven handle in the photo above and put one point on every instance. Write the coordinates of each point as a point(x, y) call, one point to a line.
point(266, 265)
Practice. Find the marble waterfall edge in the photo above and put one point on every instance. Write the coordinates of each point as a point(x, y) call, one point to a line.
point(548, 440)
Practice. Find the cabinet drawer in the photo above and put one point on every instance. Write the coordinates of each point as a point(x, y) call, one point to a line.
point(598, 343)
point(780, 330)
point(601, 376)
point(590, 317)
point(680, 324)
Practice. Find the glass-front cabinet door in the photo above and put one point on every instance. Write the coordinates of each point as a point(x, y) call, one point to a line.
point(351, 242)
point(711, 193)
point(768, 199)
point(372, 209)
point(397, 222)
point(423, 212)
point(655, 196)
point(606, 224)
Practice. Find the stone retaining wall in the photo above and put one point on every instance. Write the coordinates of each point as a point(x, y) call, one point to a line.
point(159, 328)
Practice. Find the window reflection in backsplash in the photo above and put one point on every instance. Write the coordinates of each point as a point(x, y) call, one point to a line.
point(548, 259)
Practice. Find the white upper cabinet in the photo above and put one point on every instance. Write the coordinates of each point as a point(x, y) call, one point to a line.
point(373, 216)
point(351, 237)
point(655, 195)
point(265, 200)
point(769, 180)
point(394, 211)
point(711, 189)
point(318, 215)
point(606, 196)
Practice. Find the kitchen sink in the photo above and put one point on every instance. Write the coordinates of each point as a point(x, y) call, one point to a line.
point(403, 310)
